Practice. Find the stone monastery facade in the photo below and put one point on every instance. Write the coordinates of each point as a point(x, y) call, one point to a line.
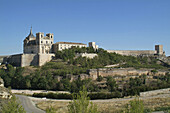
point(39, 44)
point(39, 49)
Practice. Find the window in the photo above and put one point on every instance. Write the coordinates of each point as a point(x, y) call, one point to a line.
point(51, 36)
point(51, 42)
point(41, 42)
point(46, 42)
point(41, 36)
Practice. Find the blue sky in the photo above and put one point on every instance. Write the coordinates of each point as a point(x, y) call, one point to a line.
point(112, 24)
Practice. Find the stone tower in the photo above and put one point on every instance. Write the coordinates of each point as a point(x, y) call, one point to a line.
point(159, 49)
point(93, 45)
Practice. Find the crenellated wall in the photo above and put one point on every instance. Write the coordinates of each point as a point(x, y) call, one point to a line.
point(104, 72)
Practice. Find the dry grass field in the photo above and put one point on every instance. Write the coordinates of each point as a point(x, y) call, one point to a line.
point(109, 106)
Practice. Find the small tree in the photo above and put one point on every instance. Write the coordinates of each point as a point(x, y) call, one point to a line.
point(82, 104)
point(13, 106)
point(50, 110)
point(135, 106)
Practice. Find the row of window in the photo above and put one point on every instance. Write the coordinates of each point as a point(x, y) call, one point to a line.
point(69, 46)
point(46, 42)
point(42, 36)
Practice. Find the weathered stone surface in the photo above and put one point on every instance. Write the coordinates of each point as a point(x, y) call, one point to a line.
point(133, 52)
point(1, 82)
point(4, 92)
point(87, 55)
point(104, 72)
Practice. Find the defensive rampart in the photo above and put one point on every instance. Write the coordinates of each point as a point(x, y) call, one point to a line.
point(133, 52)
point(104, 72)
point(23, 60)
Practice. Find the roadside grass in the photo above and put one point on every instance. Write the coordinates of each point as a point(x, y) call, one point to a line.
point(115, 106)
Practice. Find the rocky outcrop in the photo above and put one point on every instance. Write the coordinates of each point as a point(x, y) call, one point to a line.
point(4, 92)
point(1, 82)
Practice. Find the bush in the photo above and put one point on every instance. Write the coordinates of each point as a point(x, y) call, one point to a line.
point(13, 106)
point(92, 96)
point(101, 95)
point(135, 106)
point(53, 95)
point(99, 78)
point(81, 103)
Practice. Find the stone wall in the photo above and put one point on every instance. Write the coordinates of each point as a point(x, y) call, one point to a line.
point(155, 92)
point(104, 72)
point(33, 49)
point(44, 58)
point(2, 58)
point(133, 52)
point(14, 60)
point(29, 59)
point(87, 55)
point(23, 60)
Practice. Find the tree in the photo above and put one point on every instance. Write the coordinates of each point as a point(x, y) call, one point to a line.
point(50, 110)
point(111, 84)
point(13, 106)
point(135, 106)
point(82, 104)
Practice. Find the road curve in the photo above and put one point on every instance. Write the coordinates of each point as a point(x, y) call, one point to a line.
point(28, 105)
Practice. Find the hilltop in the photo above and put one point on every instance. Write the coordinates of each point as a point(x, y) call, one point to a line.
point(70, 72)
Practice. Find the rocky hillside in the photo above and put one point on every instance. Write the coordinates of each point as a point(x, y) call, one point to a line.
point(5, 94)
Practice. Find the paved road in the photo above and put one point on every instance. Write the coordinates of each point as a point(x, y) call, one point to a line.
point(28, 105)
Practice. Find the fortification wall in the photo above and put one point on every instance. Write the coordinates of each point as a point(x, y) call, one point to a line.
point(133, 52)
point(23, 60)
point(14, 59)
point(43, 58)
point(29, 59)
point(104, 72)
point(2, 58)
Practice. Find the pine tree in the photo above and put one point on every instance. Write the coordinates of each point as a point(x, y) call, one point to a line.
point(82, 104)
point(135, 106)
point(13, 106)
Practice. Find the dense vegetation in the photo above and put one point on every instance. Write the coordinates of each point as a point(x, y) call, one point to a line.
point(65, 64)
point(92, 96)
point(13, 106)
point(13, 77)
point(104, 58)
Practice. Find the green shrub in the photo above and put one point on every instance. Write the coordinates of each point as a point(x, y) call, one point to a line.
point(81, 103)
point(53, 95)
point(101, 95)
point(13, 106)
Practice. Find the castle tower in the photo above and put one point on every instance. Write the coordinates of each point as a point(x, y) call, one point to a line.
point(93, 45)
point(28, 42)
point(159, 49)
point(44, 42)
